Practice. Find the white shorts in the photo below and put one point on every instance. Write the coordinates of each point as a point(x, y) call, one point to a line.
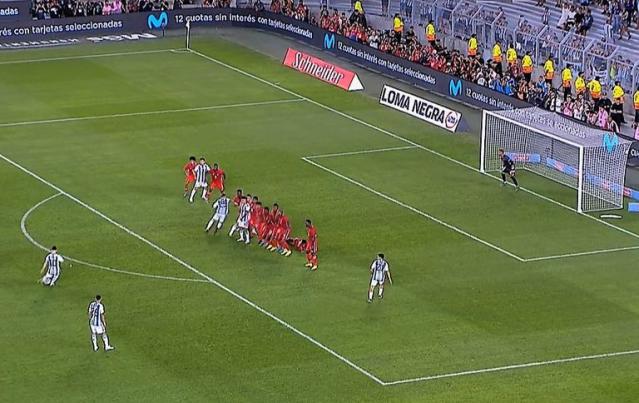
point(97, 329)
point(375, 282)
point(219, 217)
point(50, 278)
point(243, 224)
point(201, 185)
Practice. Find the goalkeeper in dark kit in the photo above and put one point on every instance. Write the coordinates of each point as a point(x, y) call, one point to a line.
point(507, 168)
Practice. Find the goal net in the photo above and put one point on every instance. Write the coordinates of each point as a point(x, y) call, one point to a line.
point(587, 159)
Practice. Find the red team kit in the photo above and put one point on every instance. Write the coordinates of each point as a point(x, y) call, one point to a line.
point(270, 225)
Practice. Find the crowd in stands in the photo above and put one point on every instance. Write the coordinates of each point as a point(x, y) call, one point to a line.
point(45, 9)
point(577, 15)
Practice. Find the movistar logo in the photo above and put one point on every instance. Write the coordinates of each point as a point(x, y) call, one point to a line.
point(455, 88)
point(610, 141)
point(158, 22)
point(329, 41)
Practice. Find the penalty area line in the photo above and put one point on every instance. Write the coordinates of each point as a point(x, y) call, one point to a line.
point(414, 210)
point(512, 367)
point(577, 254)
point(378, 150)
point(196, 271)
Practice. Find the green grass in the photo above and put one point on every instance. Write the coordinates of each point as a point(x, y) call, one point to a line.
point(456, 304)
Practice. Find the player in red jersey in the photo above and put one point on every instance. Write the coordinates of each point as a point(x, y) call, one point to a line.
point(237, 198)
point(276, 232)
point(272, 221)
point(189, 175)
point(311, 246)
point(262, 230)
point(255, 213)
point(298, 244)
point(282, 234)
point(217, 178)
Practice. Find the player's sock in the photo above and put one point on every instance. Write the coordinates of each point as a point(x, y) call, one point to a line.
point(105, 339)
point(381, 291)
point(205, 195)
point(247, 236)
point(515, 181)
point(503, 178)
point(94, 340)
point(209, 225)
point(192, 194)
point(370, 295)
point(232, 231)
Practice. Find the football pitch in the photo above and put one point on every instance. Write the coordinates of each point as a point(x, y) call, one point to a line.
point(498, 295)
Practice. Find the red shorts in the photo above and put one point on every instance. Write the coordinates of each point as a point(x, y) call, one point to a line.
point(311, 248)
point(217, 185)
point(189, 179)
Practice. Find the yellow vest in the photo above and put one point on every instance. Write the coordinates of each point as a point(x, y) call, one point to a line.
point(358, 7)
point(549, 67)
point(617, 92)
point(497, 53)
point(430, 32)
point(472, 44)
point(398, 25)
point(580, 85)
point(595, 88)
point(511, 55)
point(636, 100)
point(566, 77)
point(527, 64)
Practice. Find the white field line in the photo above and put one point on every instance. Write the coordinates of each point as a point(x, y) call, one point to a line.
point(577, 254)
point(198, 272)
point(512, 367)
point(97, 55)
point(414, 210)
point(23, 228)
point(158, 112)
point(400, 138)
point(378, 150)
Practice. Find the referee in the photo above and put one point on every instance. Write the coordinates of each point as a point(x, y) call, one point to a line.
point(507, 167)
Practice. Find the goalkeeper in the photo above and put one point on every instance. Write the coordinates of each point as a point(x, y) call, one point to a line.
point(507, 167)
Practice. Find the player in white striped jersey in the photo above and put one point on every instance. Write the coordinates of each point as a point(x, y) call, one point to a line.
point(379, 272)
point(221, 206)
point(243, 220)
point(239, 200)
point(201, 172)
point(97, 324)
point(52, 267)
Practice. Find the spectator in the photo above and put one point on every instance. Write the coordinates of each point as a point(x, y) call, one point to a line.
point(431, 34)
point(398, 27)
point(549, 70)
point(472, 46)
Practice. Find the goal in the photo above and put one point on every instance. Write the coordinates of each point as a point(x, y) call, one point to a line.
point(561, 149)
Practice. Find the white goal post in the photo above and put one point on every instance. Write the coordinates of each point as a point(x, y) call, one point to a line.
point(585, 158)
